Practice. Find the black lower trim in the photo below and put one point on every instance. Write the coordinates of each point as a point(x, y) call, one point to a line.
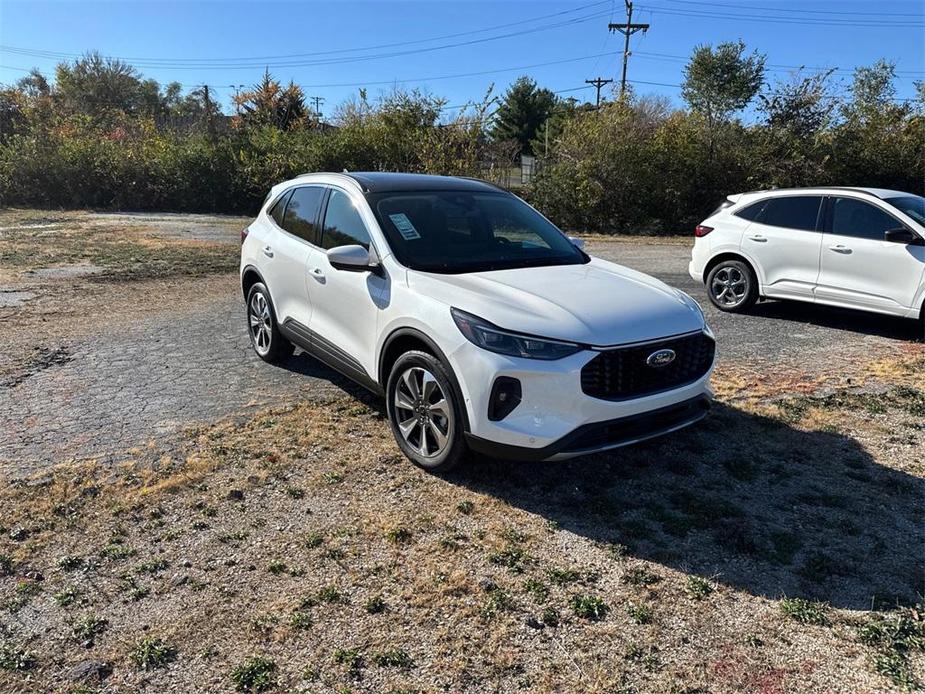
point(326, 351)
point(598, 436)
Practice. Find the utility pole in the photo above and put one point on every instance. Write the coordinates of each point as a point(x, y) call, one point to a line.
point(210, 127)
point(599, 82)
point(317, 100)
point(627, 30)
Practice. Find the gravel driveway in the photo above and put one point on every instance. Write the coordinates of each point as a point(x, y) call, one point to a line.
point(104, 392)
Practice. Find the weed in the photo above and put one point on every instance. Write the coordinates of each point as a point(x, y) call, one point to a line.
point(465, 507)
point(498, 601)
point(256, 674)
point(87, 626)
point(295, 492)
point(894, 636)
point(151, 653)
point(398, 535)
point(538, 589)
point(300, 620)
point(561, 577)
point(277, 567)
point(152, 567)
point(896, 667)
point(805, 611)
point(330, 594)
point(589, 607)
point(6, 565)
point(350, 657)
point(70, 563)
point(394, 657)
point(375, 605)
point(641, 614)
point(13, 658)
point(68, 596)
point(313, 540)
point(698, 588)
point(640, 576)
point(550, 617)
point(513, 558)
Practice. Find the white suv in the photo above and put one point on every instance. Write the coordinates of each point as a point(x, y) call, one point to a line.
point(482, 324)
point(861, 248)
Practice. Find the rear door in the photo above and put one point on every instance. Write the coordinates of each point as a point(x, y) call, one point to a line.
point(784, 240)
point(862, 269)
point(292, 248)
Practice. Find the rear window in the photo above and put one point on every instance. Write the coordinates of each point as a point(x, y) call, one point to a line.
point(791, 212)
point(301, 218)
point(280, 208)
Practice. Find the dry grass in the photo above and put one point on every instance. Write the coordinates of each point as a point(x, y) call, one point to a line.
point(762, 552)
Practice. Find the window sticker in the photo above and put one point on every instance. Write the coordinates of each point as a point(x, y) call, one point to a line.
point(404, 226)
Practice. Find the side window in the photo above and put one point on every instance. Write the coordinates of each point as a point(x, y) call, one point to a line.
point(851, 217)
point(276, 212)
point(301, 218)
point(796, 212)
point(751, 213)
point(343, 225)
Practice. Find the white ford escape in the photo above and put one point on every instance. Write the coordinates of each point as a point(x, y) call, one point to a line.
point(861, 248)
point(482, 324)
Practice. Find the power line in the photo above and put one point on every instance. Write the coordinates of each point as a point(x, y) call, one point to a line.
point(799, 10)
point(776, 19)
point(306, 63)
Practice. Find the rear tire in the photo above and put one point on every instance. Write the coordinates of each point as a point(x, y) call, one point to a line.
point(424, 412)
point(266, 339)
point(732, 286)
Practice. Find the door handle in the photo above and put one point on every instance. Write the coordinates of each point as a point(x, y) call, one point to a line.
point(840, 249)
point(268, 252)
point(318, 274)
point(759, 239)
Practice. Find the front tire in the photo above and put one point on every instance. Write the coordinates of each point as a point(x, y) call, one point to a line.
point(266, 339)
point(424, 412)
point(732, 286)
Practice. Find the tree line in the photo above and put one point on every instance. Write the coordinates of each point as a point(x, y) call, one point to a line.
point(100, 135)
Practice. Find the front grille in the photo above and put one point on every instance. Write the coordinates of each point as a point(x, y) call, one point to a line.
point(619, 374)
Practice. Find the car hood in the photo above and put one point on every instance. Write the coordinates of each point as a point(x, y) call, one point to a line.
point(598, 303)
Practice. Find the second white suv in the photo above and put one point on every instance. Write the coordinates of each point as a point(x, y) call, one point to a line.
point(482, 324)
point(861, 248)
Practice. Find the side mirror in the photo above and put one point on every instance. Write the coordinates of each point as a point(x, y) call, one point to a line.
point(353, 258)
point(577, 242)
point(903, 235)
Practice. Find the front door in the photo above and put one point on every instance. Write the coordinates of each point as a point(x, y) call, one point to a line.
point(859, 267)
point(346, 303)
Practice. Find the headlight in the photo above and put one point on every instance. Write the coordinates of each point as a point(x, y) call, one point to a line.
point(487, 336)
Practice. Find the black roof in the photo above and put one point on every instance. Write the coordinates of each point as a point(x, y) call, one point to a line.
point(388, 182)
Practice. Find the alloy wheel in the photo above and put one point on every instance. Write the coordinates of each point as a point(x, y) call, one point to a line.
point(422, 412)
point(729, 286)
point(261, 323)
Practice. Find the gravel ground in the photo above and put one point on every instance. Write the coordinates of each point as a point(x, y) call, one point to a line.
point(109, 367)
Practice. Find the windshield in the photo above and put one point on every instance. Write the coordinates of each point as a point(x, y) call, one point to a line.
point(912, 205)
point(455, 232)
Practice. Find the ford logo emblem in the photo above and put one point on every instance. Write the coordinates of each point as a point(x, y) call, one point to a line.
point(662, 357)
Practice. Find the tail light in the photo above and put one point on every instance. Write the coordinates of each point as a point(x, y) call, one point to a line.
point(244, 234)
point(700, 230)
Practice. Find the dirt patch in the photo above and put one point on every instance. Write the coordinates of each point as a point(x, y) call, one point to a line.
point(760, 551)
point(40, 359)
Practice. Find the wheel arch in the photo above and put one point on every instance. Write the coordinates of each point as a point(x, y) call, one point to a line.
point(250, 276)
point(403, 340)
point(731, 255)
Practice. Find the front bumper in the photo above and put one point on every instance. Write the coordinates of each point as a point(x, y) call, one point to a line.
point(555, 417)
point(603, 436)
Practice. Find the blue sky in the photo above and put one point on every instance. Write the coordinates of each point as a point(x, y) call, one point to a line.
point(313, 43)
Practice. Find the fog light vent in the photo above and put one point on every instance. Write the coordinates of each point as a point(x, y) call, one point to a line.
point(505, 396)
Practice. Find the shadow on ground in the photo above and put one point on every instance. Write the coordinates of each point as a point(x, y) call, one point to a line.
point(862, 322)
point(747, 500)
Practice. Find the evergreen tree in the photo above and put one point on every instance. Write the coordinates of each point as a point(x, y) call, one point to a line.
point(523, 111)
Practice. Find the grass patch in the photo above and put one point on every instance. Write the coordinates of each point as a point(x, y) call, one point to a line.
point(151, 653)
point(394, 657)
point(698, 588)
point(256, 674)
point(589, 607)
point(640, 614)
point(805, 611)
